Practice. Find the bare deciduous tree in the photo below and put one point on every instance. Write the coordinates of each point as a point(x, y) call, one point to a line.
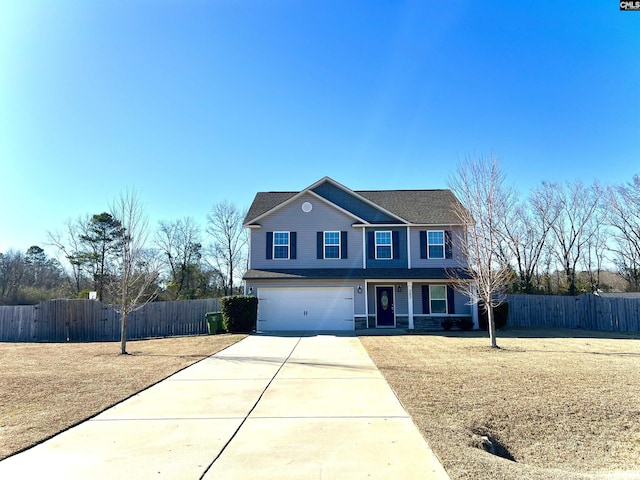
point(596, 249)
point(70, 246)
point(180, 244)
point(624, 210)
point(229, 241)
point(485, 206)
point(526, 232)
point(138, 267)
point(572, 231)
point(12, 269)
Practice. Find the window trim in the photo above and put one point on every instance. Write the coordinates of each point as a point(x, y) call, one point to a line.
point(288, 245)
point(325, 245)
point(376, 244)
point(443, 244)
point(431, 299)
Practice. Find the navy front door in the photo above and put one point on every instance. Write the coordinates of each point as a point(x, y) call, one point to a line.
point(384, 307)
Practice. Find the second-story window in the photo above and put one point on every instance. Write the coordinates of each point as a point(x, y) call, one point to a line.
point(281, 245)
point(384, 246)
point(435, 245)
point(331, 244)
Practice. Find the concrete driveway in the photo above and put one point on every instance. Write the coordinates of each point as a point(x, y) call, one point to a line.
point(268, 407)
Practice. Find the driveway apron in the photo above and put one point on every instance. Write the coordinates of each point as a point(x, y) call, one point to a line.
point(272, 407)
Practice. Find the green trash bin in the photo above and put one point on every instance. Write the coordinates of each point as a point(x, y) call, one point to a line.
point(214, 322)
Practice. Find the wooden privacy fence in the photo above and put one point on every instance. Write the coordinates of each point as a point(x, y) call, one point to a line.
point(588, 311)
point(91, 320)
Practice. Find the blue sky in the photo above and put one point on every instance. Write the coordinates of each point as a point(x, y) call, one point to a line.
point(195, 102)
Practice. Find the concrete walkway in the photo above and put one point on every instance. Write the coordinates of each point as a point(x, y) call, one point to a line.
point(268, 407)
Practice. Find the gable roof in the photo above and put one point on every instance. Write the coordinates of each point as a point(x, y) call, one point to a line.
point(428, 207)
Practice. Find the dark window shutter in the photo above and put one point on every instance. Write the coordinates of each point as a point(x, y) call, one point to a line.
point(448, 244)
point(396, 244)
point(426, 308)
point(269, 245)
point(451, 303)
point(292, 245)
point(423, 244)
point(319, 245)
point(343, 244)
point(371, 246)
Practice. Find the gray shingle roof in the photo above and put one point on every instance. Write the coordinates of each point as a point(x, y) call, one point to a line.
point(265, 201)
point(436, 207)
point(431, 207)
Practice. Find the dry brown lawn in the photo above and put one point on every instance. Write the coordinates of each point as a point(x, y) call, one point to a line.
point(564, 404)
point(47, 388)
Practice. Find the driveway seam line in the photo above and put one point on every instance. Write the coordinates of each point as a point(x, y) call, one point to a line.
point(224, 447)
point(326, 417)
point(162, 419)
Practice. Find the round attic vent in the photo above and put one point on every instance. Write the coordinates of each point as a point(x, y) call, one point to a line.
point(306, 207)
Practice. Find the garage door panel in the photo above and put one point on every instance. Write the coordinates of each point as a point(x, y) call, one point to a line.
point(305, 308)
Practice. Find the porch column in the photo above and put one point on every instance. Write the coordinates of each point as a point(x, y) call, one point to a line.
point(474, 308)
point(366, 301)
point(410, 295)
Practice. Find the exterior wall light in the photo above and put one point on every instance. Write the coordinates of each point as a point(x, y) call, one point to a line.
point(359, 288)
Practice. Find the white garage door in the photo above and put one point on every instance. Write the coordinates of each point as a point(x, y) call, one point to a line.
point(309, 308)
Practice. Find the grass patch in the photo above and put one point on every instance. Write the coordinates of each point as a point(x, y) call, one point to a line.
point(557, 404)
point(49, 387)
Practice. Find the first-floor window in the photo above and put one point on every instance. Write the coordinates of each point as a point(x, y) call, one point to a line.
point(438, 298)
point(281, 245)
point(331, 244)
point(384, 247)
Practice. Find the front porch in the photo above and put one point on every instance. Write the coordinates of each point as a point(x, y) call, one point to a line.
point(410, 305)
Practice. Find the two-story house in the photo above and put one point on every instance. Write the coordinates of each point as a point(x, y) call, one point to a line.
point(329, 258)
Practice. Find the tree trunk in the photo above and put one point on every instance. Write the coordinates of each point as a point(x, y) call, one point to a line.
point(123, 333)
point(491, 325)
